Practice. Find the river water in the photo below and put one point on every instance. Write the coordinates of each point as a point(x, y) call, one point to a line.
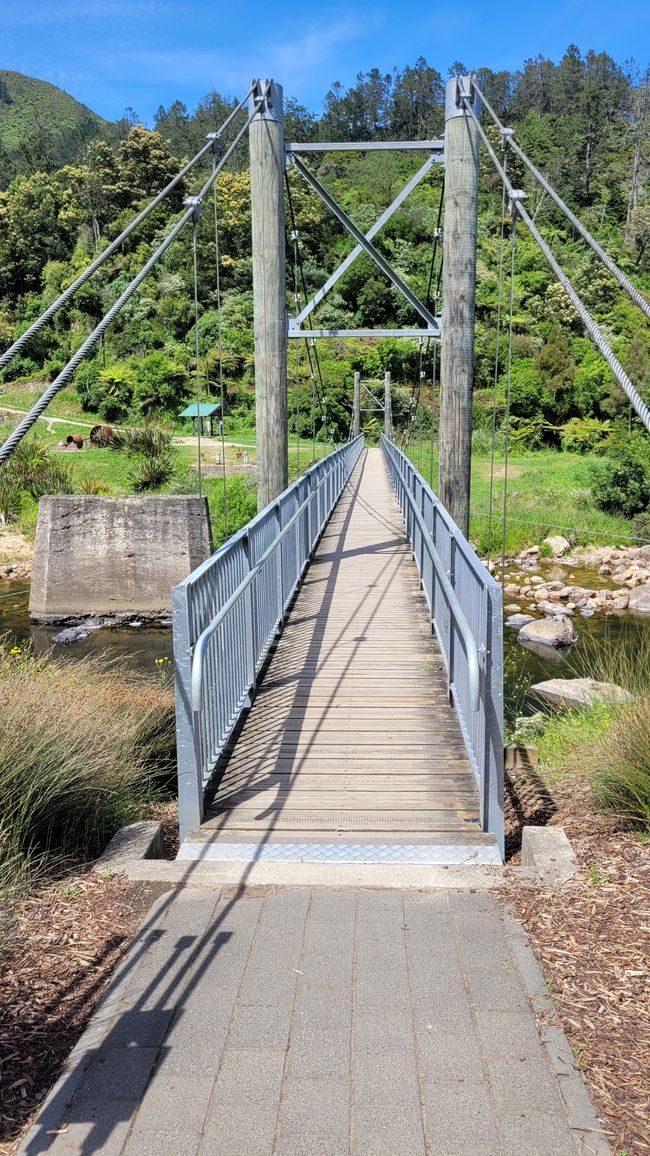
point(139, 648)
point(142, 648)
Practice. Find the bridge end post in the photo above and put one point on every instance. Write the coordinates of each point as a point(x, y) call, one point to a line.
point(267, 163)
point(459, 292)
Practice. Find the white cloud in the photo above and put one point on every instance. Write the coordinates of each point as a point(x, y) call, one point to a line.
point(290, 61)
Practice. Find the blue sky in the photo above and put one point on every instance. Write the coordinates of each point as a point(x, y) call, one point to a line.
point(143, 53)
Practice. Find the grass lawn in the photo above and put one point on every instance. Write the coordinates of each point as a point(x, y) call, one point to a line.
point(548, 492)
point(65, 404)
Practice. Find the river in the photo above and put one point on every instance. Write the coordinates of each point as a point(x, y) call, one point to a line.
point(142, 648)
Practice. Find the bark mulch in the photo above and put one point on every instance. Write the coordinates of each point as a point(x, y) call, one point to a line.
point(592, 938)
point(58, 948)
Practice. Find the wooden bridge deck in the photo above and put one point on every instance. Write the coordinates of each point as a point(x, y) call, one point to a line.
point(351, 729)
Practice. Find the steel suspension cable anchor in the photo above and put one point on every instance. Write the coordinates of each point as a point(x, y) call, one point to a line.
point(41, 321)
point(509, 138)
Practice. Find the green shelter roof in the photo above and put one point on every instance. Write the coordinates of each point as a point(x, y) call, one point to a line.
point(205, 409)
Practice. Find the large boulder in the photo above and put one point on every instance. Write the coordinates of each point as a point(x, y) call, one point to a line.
point(558, 545)
point(572, 692)
point(556, 633)
point(639, 600)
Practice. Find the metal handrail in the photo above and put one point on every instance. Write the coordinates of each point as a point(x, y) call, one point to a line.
point(466, 612)
point(464, 629)
point(227, 613)
point(200, 647)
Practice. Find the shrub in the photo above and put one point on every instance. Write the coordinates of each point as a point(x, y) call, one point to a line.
point(584, 434)
point(11, 499)
point(82, 750)
point(151, 447)
point(621, 485)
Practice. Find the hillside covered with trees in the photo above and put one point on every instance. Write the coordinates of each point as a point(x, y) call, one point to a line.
point(584, 120)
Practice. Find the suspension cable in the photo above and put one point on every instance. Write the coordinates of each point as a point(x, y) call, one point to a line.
point(62, 379)
point(296, 301)
point(199, 419)
point(310, 346)
point(21, 341)
point(222, 391)
point(509, 140)
point(496, 360)
point(591, 326)
point(513, 245)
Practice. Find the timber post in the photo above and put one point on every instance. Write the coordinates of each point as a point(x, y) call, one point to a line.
point(459, 292)
point(356, 406)
point(388, 408)
point(266, 138)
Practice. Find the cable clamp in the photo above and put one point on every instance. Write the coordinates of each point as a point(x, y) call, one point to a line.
point(517, 196)
point(294, 234)
point(215, 141)
point(507, 135)
point(194, 203)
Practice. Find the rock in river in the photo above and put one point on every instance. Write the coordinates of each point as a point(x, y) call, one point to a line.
point(554, 632)
point(639, 602)
point(516, 621)
point(558, 545)
point(570, 692)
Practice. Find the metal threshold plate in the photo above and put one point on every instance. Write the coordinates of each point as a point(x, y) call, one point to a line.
point(432, 854)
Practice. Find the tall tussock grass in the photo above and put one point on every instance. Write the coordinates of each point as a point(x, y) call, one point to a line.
point(83, 749)
point(620, 763)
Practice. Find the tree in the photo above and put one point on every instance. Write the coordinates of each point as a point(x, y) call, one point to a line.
point(417, 104)
point(145, 166)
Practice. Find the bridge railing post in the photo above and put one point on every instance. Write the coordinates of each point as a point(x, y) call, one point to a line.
point(190, 785)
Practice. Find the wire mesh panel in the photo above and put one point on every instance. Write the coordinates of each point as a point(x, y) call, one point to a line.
point(228, 612)
point(466, 613)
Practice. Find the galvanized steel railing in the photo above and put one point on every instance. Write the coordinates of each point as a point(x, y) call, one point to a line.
point(228, 612)
point(466, 613)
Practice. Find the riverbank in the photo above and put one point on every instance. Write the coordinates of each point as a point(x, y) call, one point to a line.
point(591, 933)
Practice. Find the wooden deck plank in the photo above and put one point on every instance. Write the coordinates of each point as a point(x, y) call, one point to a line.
point(352, 729)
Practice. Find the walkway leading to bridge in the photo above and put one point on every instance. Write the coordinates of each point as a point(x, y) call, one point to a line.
point(351, 751)
point(323, 1022)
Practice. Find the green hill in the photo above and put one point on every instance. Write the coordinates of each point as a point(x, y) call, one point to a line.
point(41, 127)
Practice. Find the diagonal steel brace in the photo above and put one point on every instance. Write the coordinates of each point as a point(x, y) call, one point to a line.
point(379, 224)
point(363, 241)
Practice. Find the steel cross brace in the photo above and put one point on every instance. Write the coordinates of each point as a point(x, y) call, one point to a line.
point(363, 242)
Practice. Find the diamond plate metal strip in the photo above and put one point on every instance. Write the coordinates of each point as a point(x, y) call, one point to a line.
point(432, 854)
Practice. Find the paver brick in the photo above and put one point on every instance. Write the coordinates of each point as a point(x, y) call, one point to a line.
point(256, 1026)
point(390, 1077)
point(241, 1129)
point(175, 1103)
point(527, 1084)
point(536, 1134)
point(387, 1130)
point(319, 1054)
point(253, 1074)
point(117, 1074)
point(459, 1113)
point(316, 1108)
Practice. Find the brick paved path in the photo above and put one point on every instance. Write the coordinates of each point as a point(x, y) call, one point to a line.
point(316, 1022)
